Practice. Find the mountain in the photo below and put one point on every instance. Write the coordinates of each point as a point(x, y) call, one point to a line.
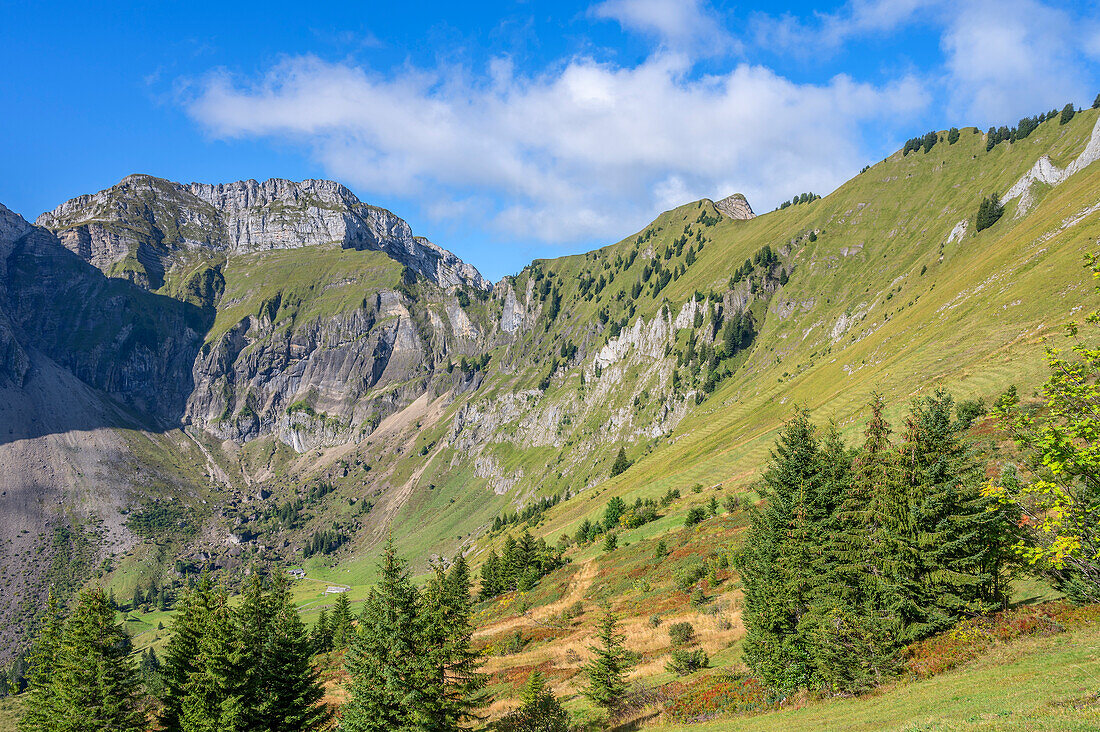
point(209, 376)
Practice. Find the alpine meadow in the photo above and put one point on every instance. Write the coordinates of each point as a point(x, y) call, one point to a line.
point(274, 462)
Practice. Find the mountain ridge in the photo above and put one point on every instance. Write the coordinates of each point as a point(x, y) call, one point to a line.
point(237, 218)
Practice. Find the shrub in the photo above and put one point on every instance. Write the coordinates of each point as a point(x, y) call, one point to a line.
point(721, 695)
point(611, 542)
point(661, 551)
point(573, 611)
point(684, 661)
point(970, 410)
point(681, 634)
point(687, 577)
point(732, 504)
point(513, 644)
point(654, 621)
point(695, 515)
point(698, 597)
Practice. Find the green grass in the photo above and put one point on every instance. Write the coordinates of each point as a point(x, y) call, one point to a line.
point(299, 285)
point(9, 713)
point(1033, 684)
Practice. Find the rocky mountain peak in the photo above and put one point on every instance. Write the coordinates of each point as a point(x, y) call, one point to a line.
point(136, 228)
point(735, 206)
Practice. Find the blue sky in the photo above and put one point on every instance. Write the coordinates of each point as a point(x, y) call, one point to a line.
point(506, 131)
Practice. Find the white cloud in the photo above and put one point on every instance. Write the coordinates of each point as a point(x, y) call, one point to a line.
point(1010, 58)
point(586, 151)
point(688, 26)
point(1002, 59)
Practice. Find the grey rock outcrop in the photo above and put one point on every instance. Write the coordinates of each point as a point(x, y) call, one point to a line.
point(735, 207)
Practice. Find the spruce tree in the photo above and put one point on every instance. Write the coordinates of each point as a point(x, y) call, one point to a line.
point(181, 653)
point(621, 463)
point(319, 636)
point(1067, 114)
point(95, 685)
point(215, 691)
point(284, 690)
point(954, 527)
point(854, 643)
point(540, 711)
point(40, 705)
point(491, 584)
point(872, 503)
point(776, 563)
point(382, 659)
point(606, 671)
point(452, 685)
point(340, 628)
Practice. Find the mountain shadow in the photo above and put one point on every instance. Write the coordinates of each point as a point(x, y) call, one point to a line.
point(136, 346)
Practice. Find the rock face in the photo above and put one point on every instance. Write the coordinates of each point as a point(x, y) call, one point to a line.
point(1046, 172)
point(139, 228)
point(331, 380)
point(735, 207)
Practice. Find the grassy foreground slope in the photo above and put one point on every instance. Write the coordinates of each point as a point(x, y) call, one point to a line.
point(1036, 684)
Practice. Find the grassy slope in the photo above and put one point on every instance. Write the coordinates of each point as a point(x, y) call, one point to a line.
point(1033, 684)
point(311, 282)
point(974, 322)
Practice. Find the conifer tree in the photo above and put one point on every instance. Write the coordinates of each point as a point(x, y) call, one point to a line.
point(340, 628)
point(621, 463)
point(284, 691)
point(854, 641)
point(491, 584)
point(94, 684)
point(953, 527)
point(181, 654)
point(540, 711)
point(382, 660)
point(606, 671)
point(1067, 114)
point(451, 687)
point(40, 705)
point(214, 693)
point(320, 636)
point(872, 503)
point(776, 562)
point(989, 212)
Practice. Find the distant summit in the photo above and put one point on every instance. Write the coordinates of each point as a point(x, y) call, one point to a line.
point(735, 207)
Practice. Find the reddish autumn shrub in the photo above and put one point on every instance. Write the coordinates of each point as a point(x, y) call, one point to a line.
point(715, 695)
point(973, 637)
